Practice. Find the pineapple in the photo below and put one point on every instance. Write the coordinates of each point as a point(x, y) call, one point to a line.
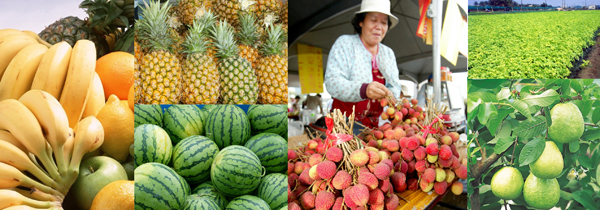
point(160, 69)
point(188, 10)
point(248, 37)
point(230, 9)
point(267, 22)
point(283, 16)
point(200, 78)
point(174, 27)
point(272, 70)
point(238, 82)
point(267, 6)
point(137, 86)
point(208, 20)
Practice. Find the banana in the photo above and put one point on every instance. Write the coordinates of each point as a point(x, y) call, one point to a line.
point(11, 177)
point(16, 36)
point(19, 74)
point(34, 194)
point(89, 135)
point(8, 137)
point(10, 198)
point(95, 98)
point(9, 51)
point(37, 38)
point(25, 207)
point(18, 159)
point(68, 148)
point(22, 124)
point(52, 71)
point(79, 79)
point(53, 121)
point(9, 31)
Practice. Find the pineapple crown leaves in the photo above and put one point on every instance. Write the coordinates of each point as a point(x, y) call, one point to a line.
point(153, 26)
point(222, 33)
point(207, 18)
point(248, 34)
point(269, 20)
point(196, 41)
point(106, 16)
point(273, 45)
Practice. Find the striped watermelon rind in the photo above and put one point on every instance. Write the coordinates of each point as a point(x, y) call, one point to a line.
point(273, 190)
point(247, 202)
point(228, 125)
point(284, 207)
point(151, 144)
point(159, 187)
point(236, 171)
point(148, 114)
point(194, 202)
point(207, 189)
point(271, 150)
point(181, 121)
point(193, 157)
point(268, 119)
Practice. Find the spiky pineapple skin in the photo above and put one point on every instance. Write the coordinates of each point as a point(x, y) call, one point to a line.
point(249, 53)
point(273, 80)
point(230, 9)
point(266, 6)
point(186, 9)
point(239, 85)
point(161, 78)
point(200, 80)
point(137, 85)
point(72, 29)
point(283, 16)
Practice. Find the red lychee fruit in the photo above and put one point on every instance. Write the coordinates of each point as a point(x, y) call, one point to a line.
point(326, 169)
point(373, 143)
point(312, 144)
point(411, 167)
point(440, 187)
point(321, 148)
point(292, 154)
point(432, 158)
point(334, 154)
point(445, 152)
point(407, 155)
point(412, 143)
point(378, 134)
point(382, 171)
point(403, 167)
point(446, 140)
point(446, 163)
point(421, 165)
point(305, 178)
point(373, 157)
point(449, 175)
point(341, 180)
point(403, 141)
point(421, 139)
point(292, 179)
point(389, 162)
point(461, 172)
point(425, 186)
point(347, 200)
point(432, 149)
point(385, 127)
point(294, 206)
point(406, 105)
point(414, 101)
point(404, 111)
point(291, 167)
point(454, 151)
point(312, 173)
point(454, 135)
point(383, 155)
point(410, 131)
point(429, 175)
point(455, 163)
point(384, 116)
point(359, 157)
point(324, 200)
point(368, 179)
point(363, 169)
point(420, 153)
point(440, 175)
point(376, 197)
point(457, 188)
point(298, 167)
point(393, 146)
point(398, 179)
point(389, 134)
point(385, 185)
point(307, 200)
point(318, 186)
point(360, 194)
point(396, 157)
point(391, 202)
point(315, 159)
point(413, 184)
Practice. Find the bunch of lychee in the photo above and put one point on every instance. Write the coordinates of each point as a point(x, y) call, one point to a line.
point(405, 113)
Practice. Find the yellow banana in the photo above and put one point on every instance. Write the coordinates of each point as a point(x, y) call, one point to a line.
point(22, 124)
point(79, 79)
point(68, 148)
point(10, 198)
point(11, 177)
point(9, 31)
point(18, 159)
point(8, 137)
point(16, 36)
point(34, 194)
point(53, 121)
point(52, 71)
point(89, 135)
point(95, 97)
point(25, 207)
point(9, 51)
point(19, 74)
point(37, 38)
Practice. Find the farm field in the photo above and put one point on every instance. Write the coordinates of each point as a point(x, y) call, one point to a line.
point(529, 45)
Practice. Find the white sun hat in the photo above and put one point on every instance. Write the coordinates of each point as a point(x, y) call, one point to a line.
point(381, 6)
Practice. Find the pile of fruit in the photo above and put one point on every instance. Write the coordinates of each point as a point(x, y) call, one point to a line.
point(205, 52)
point(366, 171)
point(214, 157)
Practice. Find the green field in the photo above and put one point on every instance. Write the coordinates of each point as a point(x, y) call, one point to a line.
point(529, 45)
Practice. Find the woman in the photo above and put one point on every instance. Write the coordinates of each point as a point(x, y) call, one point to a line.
point(361, 70)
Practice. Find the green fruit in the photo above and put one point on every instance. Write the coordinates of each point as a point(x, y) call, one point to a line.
point(507, 183)
point(550, 164)
point(567, 123)
point(541, 193)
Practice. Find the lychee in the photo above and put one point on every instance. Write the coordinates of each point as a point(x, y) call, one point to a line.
point(403, 167)
point(384, 116)
point(425, 186)
point(384, 154)
point(347, 200)
point(299, 190)
point(440, 175)
point(305, 178)
point(421, 139)
point(376, 197)
point(292, 154)
point(449, 175)
point(414, 101)
point(454, 151)
point(368, 179)
point(360, 194)
point(359, 157)
point(421, 165)
point(412, 143)
point(324, 200)
point(440, 187)
point(373, 157)
point(385, 185)
point(413, 184)
point(445, 152)
point(378, 134)
point(318, 186)
point(307, 200)
point(315, 159)
point(455, 163)
point(410, 131)
point(291, 167)
point(429, 175)
point(407, 155)
point(457, 188)
point(385, 127)
point(391, 202)
point(380, 206)
point(432, 149)
point(363, 169)
point(399, 179)
point(404, 111)
point(406, 105)
point(341, 180)
point(292, 179)
point(312, 144)
point(298, 167)
point(382, 171)
point(446, 140)
point(420, 153)
point(446, 163)
point(411, 167)
point(392, 145)
point(334, 154)
point(373, 143)
point(293, 206)
point(312, 173)
point(432, 158)
point(326, 169)
point(389, 134)
point(454, 135)
point(338, 205)
point(411, 111)
point(461, 172)
point(389, 162)
point(395, 157)
point(430, 140)
point(398, 116)
point(321, 148)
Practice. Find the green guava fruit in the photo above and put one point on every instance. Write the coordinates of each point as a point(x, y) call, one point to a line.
point(567, 123)
point(507, 183)
point(541, 193)
point(550, 164)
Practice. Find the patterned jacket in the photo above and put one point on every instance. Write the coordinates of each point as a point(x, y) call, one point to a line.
point(349, 66)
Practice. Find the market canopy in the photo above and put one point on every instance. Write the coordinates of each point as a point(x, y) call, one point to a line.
point(320, 23)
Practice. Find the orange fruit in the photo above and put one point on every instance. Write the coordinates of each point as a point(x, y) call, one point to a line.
point(118, 195)
point(131, 98)
point(116, 72)
point(117, 119)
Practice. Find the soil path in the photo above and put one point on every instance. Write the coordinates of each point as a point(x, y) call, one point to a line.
point(593, 71)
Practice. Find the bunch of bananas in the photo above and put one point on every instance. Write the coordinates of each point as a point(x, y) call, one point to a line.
point(36, 140)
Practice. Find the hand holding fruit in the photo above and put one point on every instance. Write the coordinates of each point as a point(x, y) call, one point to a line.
point(376, 90)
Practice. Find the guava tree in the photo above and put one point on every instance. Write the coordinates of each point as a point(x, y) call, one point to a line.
point(534, 144)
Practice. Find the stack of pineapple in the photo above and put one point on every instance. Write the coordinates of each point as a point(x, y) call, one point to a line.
point(212, 51)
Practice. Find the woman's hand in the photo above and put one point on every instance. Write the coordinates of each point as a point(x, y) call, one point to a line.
point(376, 90)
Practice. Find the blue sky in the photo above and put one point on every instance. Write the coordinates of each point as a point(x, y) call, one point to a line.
point(552, 2)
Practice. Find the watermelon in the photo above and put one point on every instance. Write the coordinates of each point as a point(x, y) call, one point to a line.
point(271, 149)
point(159, 187)
point(268, 119)
point(195, 202)
point(227, 125)
point(284, 207)
point(247, 202)
point(236, 171)
point(273, 189)
point(148, 114)
point(151, 144)
point(207, 189)
point(192, 158)
point(181, 121)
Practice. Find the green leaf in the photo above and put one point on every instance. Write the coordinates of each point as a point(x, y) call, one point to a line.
point(591, 134)
point(521, 107)
point(531, 151)
point(551, 82)
point(548, 117)
point(598, 173)
point(486, 83)
point(472, 108)
point(596, 116)
point(576, 85)
point(503, 94)
point(566, 89)
point(505, 131)
point(574, 146)
point(565, 195)
point(587, 107)
point(484, 96)
point(475, 150)
point(531, 128)
point(547, 98)
point(587, 82)
point(503, 144)
point(495, 120)
point(585, 199)
point(485, 111)
point(585, 161)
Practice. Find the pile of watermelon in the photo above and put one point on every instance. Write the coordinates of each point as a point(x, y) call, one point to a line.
point(214, 157)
